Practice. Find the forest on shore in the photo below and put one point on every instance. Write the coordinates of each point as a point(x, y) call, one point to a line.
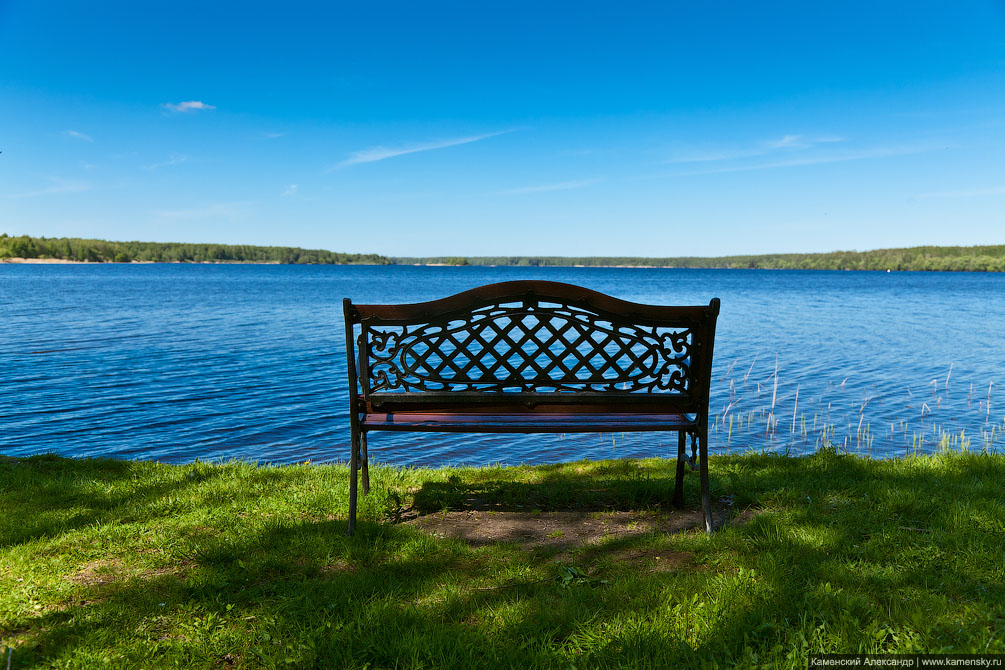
point(103, 251)
point(948, 259)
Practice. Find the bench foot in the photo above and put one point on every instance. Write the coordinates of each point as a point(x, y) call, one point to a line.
point(365, 471)
point(678, 488)
point(353, 467)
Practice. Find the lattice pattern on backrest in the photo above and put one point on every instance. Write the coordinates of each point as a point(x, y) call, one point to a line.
point(518, 346)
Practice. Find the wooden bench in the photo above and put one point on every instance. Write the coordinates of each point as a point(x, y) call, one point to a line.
point(530, 357)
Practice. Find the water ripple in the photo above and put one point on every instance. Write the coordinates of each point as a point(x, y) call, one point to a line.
point(178, 362)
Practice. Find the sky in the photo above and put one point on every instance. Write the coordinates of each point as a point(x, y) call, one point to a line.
point(473, 129)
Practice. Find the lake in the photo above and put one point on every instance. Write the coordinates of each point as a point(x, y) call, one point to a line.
point(179, 362)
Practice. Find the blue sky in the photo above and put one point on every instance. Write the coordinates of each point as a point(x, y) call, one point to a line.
point(511, 129)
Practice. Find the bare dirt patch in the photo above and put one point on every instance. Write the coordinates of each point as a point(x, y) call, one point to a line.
point(339, 566)
point(180, 569)
point(109, 570)
point(560, 529)
point(102, 571)
point(655, 560)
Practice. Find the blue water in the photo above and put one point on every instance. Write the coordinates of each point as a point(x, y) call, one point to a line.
point(178, 362)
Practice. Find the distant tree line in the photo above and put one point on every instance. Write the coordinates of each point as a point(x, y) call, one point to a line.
point(102, 251)
point(946, 259)
point(977, 259)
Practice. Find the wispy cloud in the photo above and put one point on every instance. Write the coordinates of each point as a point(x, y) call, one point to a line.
point(966, 193)
point(272, 136)
point(78, 135)
point(187, 106)
point(173, 159)
point(56, 186)
point(219, 210)
point(833, 157)
point(380, 153)
point(560, 186)
point(290, 190)
point(785, 143)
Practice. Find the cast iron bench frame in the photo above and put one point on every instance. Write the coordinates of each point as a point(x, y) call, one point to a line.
point(530, 357)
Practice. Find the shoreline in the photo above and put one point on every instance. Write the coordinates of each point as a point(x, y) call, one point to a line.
point(43, 261)
point(18, 260)
point(60, 251)
point(63, 261)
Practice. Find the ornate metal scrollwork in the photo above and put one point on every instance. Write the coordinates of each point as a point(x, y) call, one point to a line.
point(517, 347)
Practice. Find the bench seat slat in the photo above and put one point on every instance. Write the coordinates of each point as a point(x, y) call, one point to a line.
point(524, 422)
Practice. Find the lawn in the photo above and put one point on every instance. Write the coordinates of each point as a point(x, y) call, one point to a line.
point(109, 563)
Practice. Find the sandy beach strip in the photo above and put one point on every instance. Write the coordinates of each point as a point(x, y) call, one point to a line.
point(40, 261)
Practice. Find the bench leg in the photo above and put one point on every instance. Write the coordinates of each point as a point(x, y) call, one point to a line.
point(353, 467)
point(706, 499)
point(678, 487)
point(365, 470)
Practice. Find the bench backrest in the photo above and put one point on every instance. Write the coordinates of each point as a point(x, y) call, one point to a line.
point(539, 345)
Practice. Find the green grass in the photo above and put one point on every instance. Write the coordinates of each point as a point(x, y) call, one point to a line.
point(134, 564)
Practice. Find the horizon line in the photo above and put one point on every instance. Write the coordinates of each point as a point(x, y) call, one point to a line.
point(5, 235)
